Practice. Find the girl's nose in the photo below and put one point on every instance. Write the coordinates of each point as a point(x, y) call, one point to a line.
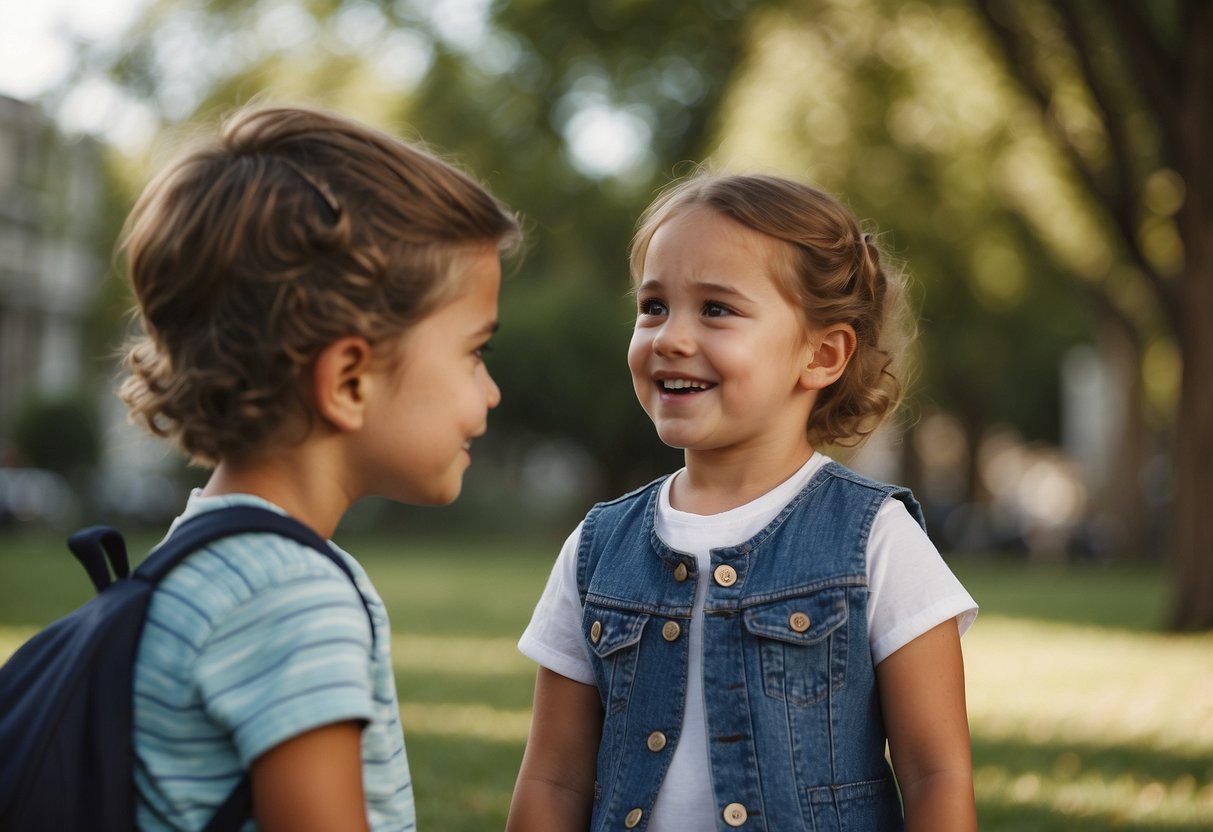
point(674, 337)
point(492, 391)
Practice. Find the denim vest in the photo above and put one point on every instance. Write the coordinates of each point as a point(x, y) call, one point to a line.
point(796, 740)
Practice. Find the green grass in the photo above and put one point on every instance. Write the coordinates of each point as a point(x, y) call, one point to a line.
point(1085, 715)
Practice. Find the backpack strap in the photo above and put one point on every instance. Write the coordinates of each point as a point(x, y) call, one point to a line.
point(197, 532)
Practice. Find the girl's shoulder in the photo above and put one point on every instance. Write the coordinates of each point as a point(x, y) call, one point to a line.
point(242, 575)
point(634, 494)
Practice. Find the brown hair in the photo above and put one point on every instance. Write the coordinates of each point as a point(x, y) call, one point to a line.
point(250, 254)
point(833, 272)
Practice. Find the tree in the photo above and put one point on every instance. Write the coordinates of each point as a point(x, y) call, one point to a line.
point(573, 114)
point(1146, 72)
point(905, 116)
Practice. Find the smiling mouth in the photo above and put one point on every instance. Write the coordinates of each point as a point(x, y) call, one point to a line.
point(683, 386)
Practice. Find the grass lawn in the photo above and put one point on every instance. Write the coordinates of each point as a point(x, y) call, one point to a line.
point(1085, 716)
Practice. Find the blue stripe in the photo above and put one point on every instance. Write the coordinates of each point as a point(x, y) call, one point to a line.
point(259, 622)
point(160, 625)
point(265, 671)
point(231, 567)
point(180, 707)
point(383, 761)
point(210, 778)
point(188, 603)
point(215, 739)
point(299, 694)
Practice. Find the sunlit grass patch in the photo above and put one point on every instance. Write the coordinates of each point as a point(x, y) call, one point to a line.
point(1078, 728)
point(476, 722)
point(460, 654)
point(1050, 683)
point(1091, 800)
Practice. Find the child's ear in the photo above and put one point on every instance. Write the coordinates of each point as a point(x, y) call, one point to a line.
point(834, 350)
point(339, 381)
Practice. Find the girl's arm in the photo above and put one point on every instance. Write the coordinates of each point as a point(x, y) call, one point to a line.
point(555, 789)
point(312, 782)
point(922, 695)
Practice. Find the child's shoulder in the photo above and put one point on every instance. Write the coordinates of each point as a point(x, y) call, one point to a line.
point(634, 494)
point(251, 576)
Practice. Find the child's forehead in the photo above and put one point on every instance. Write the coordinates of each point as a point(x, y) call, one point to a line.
point(700, 234)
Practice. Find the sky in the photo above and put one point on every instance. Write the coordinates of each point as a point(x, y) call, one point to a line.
point(35, 50)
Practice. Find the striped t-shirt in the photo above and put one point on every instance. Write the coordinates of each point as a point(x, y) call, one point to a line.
point(251, 641)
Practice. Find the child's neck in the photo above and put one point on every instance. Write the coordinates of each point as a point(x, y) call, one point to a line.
point(318, 502)
point(713, 484)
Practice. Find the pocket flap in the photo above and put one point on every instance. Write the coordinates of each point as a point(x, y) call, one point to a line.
point(607, 630)
point(802, 620)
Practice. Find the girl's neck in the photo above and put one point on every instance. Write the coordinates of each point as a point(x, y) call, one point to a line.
point(288, 480)
point(714, 483)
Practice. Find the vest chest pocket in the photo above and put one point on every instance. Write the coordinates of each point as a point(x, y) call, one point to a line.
point(613, 639)
point(802, 645)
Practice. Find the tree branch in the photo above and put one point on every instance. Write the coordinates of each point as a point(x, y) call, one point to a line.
point(1111, 115)
point(1159, 71)
point(1117, 202)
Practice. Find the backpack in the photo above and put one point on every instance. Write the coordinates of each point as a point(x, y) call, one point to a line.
point(66, 696)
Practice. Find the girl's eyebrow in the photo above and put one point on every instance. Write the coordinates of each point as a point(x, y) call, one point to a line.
point(707, 287)
point(489, 328)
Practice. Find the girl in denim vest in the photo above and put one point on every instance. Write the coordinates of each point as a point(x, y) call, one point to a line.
point(731, 646)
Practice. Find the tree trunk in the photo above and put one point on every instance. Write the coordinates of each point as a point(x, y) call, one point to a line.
point(1193, 609)
point(1124, 495)
point(1194, 441)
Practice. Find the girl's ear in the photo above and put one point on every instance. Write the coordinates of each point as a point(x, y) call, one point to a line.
point(339, 382)
point(827, 362)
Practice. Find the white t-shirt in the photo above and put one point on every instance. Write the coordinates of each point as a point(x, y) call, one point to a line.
point(910, 591)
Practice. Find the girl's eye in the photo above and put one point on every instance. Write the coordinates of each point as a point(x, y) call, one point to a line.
point(483, 349)
point(712, 309)
point(651, 306)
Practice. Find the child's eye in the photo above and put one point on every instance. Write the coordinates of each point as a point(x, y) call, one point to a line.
point(483, 349)
point(651, 306)
point(711, 309)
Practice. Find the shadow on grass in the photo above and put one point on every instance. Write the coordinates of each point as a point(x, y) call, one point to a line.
point(1125, 787)
point(1071, 761)
point(1116, 597)
point(462, 785)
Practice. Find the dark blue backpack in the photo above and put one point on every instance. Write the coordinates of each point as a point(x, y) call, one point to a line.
point(66, 697)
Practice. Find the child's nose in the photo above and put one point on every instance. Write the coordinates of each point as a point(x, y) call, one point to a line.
point(675, 337)
point(492, 391)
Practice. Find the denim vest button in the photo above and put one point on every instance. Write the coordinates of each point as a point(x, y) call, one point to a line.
point(680, 572)
point(596, 631)
point(725, 575)
point(735, 814)
point(656, 741)
point(799, 622)
point(633, 818)
point(670, 631)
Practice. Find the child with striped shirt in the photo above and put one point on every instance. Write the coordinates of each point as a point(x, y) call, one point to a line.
point(315, 297)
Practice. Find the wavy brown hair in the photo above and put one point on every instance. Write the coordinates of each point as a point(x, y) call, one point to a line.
point(833, 271)
point(249, 254)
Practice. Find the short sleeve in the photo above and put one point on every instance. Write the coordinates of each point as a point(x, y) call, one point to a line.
point(910, 588)
point(553, 639)
point(295, 657)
